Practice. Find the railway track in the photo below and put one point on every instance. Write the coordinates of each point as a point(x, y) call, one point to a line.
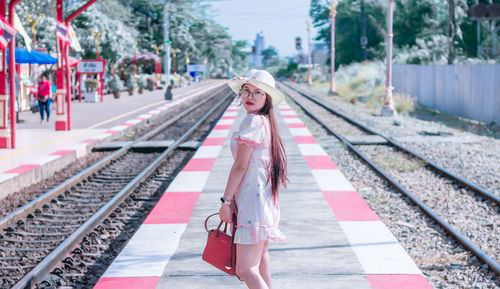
point(38, 241)
point(488, 203)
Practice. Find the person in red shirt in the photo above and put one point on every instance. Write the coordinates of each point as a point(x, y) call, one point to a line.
point(44, 99)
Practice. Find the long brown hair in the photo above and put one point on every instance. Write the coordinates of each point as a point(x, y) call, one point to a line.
point(278, 165)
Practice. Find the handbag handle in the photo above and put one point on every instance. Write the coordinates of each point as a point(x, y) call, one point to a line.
point(220, 224)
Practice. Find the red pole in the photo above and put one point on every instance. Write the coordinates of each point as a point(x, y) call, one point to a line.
point(4, 120)
point(77, 12)
point(388, 109)
point(135, 63)
point(68, 83)
point(64, 51)
point(333, 12)
point(156, 75)
point(175, 65)
point(79, 76)
point(12, 90)
point(102, 88)
point(61, 116)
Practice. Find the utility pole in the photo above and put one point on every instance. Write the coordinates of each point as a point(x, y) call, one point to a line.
point(309, 50)
point(333, 12)
point(364, 40)
point(166, 42)
point(388, 109)
point(451, 31)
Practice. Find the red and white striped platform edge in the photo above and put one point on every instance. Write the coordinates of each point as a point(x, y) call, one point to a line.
point(385, 263)
point(81, 147)
point(142, 261)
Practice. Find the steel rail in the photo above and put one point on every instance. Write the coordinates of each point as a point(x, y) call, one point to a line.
point(42, 269)
point(494, 266)
point(38, 202)
point(481, 191)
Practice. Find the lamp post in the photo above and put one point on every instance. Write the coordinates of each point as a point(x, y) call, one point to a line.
point(186, 54)
point(166, 42)
point(333, 12)
point(33, 23)
point(388, 109)
point(309, 50)
point(174, 54)
point(135, 59)
point(63, 91)
point(158, 63)
point(96, 40)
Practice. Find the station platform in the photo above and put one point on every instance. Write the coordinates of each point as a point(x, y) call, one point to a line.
point(41, 150)
point(334, 240)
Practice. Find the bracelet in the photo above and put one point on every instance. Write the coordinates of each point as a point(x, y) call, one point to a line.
point(224, 201)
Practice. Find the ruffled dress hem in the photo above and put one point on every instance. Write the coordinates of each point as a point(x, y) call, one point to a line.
point(257, 234)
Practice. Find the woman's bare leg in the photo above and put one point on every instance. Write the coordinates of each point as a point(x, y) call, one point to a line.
point(264, 270)
point(247, 265)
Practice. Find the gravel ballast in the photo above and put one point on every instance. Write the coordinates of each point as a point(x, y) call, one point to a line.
point(444, 262)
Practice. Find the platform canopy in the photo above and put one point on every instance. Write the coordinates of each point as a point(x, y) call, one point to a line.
point(33, 57)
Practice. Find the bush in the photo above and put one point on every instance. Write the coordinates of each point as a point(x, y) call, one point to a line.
point(403, 104)
point(363, 81)
point(141, 81)
point(91, 84)
point(150, 83)
point(115, 84)
point(130, 83)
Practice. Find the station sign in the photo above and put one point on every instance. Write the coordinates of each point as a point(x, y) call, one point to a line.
point(90, 66)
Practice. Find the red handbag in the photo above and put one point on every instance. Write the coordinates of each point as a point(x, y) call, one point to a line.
point(220, 250)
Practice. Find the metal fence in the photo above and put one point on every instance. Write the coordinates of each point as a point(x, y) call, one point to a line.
point(470, 91)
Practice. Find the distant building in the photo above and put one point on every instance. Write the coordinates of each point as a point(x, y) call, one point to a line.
point(319, 54)
point(256, 57)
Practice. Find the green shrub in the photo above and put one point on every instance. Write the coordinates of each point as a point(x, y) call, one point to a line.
point(403, 105)
point(130, 83)
point(141, 81)
point(91, 84)
point(115, 84)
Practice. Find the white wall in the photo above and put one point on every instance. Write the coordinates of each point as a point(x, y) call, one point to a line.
point(471, 91)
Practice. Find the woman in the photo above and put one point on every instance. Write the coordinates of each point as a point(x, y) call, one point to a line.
point(44, 96)
point(259, 169)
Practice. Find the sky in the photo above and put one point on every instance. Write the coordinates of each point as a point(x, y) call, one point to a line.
point(280, 20)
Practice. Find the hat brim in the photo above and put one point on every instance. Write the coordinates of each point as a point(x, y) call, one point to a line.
point(276, 95)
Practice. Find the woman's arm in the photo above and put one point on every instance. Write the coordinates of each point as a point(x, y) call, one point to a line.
point(237, 173)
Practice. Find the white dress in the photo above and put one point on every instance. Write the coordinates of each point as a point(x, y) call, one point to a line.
point(258, 213)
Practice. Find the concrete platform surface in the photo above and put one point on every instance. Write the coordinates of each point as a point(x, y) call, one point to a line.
point(334, 240)
point(41, 150)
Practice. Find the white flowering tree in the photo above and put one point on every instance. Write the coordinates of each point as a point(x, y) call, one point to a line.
point(116, 39)
point(121, 22)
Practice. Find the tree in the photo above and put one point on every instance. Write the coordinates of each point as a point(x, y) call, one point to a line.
point(269, 56)
point(348, 29)
point(116, 39)
point(124, 21)
point(415, 19)
point(239, 57)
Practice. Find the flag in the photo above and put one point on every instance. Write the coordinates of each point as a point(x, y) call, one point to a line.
point(19, 27)
point(74, 40)
point(7, 32)
point(62, 31)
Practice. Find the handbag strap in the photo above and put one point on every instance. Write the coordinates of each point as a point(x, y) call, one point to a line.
point(220, 224)
point(206, 222)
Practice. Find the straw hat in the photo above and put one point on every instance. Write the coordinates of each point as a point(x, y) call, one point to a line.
point(260, 79)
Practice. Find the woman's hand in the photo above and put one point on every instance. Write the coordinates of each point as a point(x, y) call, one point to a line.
point(226, 213)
